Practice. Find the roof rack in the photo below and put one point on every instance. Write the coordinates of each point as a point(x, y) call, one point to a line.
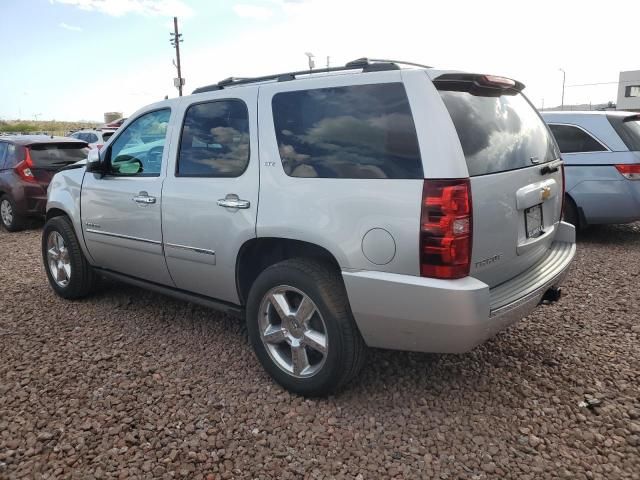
point(366, 64)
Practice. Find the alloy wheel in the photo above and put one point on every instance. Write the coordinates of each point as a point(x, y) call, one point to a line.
point(58, 259)
point(293, 331)
point(6, 212)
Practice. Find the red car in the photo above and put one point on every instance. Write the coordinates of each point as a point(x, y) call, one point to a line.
point(27, 165)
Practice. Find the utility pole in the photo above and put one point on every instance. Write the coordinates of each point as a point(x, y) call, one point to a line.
point(564, 77)
point(176, 38)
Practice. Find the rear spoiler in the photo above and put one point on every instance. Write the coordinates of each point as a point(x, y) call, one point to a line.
point(478, 84)
point(632, 118)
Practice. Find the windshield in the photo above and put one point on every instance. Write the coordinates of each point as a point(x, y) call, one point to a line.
point(52, 155)
point(628, 128)
point(499, 133)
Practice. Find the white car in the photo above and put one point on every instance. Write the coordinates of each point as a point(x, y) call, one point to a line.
point(95, 138)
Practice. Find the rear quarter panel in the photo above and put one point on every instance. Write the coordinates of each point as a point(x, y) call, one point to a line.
point(337, 213)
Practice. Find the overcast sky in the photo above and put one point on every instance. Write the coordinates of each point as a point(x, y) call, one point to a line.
point(76, 59)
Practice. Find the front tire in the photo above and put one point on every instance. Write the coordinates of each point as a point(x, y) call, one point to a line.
point(68, 271)
point(301, 327)
point(9, 216)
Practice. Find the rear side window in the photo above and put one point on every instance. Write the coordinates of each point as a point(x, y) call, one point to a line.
point(215, 140)
point(13, 156)
point(575, 140)
point(55, 155)
point(628, 128)
point(91, 138)
point(499, 133)
point(3, 153)
point(360, 131)
point(106, 136)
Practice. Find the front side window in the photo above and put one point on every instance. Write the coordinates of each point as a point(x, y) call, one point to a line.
point(359, 131)
point(575, 140)
point(214, 140)
point(138, 149)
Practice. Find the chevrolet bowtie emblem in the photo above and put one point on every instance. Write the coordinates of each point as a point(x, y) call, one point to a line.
point(545, 193)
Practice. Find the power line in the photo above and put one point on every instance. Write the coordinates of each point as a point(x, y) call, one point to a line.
point(591, 84)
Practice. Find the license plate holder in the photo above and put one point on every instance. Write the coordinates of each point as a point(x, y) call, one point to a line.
point(533, 221)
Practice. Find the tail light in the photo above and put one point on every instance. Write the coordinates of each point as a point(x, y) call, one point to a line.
point(630, 171)
point(23, 169)
point(564, 189)
point(446, 229)
point(99, 146)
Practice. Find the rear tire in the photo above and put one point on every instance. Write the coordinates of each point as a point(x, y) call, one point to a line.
point(68, 271)
point(314, 352)
point(570, 214)
point(8, 216)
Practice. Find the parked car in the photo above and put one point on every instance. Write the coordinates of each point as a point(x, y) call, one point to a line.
point(95, 138)
point(601, 151)
point(411, 209)
point(27, 164)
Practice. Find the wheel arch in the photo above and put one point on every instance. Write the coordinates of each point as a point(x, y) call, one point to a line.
point(257, 254)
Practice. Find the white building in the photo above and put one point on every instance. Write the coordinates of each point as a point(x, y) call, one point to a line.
point(629, 91)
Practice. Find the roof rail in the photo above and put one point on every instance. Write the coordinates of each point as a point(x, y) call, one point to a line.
point(366, 64)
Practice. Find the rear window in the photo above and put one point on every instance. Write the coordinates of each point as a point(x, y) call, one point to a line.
point(499, 133)
point(628, 128)
point(57, 154)
point(359, 131)
point(107, 135)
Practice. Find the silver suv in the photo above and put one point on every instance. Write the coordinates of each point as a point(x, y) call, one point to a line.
point(366, 205)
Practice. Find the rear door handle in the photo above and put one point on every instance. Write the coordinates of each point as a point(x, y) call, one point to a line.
point(144, 198)
point(232, 201)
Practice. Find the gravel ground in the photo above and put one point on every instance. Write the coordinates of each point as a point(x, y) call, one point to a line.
point(130, 384)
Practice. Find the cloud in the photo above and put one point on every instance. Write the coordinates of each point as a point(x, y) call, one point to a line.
point(252, 11)
point(117, 8)
point(73, 28)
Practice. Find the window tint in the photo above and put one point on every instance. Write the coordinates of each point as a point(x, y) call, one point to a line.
point(56, 155)
point(138, 149)
point(106, 136)
point(498, 133)
point(575, 140)
point(91, 138)
point(360, 131)
point(13, 156)
point(3, 152)
point(628, 128)
point(215, 140)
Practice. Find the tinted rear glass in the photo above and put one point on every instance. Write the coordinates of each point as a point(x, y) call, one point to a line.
point(499, 133)
point(57, 154)
point(107, 135)
point(629, 131)
point(360, 131)
point(575, 140)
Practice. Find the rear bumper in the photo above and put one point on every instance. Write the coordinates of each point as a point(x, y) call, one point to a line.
point(404, 312)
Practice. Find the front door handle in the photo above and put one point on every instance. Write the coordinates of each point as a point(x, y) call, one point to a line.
point(232, 201)
point(144, 198)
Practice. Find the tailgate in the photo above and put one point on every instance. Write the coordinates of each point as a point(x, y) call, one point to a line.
point(515, 172)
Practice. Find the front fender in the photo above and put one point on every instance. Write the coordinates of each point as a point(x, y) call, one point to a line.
point(63, 195)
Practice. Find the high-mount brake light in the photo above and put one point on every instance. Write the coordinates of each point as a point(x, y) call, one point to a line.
point(23, 169)
point(630, 171)
point(496, 81)
point(446, 228)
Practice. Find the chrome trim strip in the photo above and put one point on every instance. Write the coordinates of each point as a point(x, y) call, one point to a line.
point(126, 237)
point(192, 249)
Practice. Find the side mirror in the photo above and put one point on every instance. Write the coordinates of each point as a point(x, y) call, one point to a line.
point(93, 161)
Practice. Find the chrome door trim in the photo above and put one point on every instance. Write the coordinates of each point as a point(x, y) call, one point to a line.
point(126, 237)
point(192, 249)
